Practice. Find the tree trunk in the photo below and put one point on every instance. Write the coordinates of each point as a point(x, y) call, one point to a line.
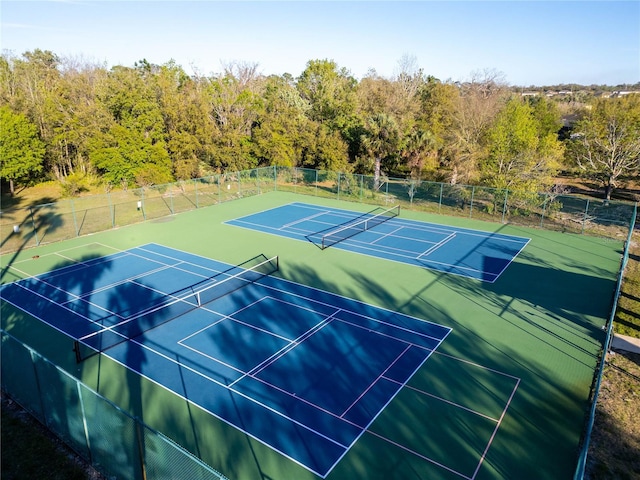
point(608, 190)
point(11, 187)
point(376, 174)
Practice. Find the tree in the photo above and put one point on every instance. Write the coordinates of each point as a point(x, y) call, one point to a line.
point(475, 110)
point(186, 119)
point(606, 144)
point(520, 156)
point(280, 135)
point(418, 146)
point(330, 92)
point(80, 118)
point(381, 140)
point(125, 156)
point(438, 103)
point(21, 151)
point(132, 147)
point(234, 102)
point(324, 149)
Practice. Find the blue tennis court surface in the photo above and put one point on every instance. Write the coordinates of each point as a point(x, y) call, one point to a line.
point(460, 251)
point(302, 370)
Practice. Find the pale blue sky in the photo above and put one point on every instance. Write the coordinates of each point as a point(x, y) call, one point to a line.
point(530, 42)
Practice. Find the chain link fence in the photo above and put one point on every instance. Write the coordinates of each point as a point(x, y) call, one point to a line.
point(84, 419)
point(115, 443)
point(552, 211)
point(32, 226)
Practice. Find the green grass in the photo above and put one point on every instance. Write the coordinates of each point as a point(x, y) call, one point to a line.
point(615, 443)
point(529, 345)
point(627, 321)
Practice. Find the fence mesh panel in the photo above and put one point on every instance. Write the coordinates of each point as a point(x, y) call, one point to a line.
point(28, 227)
point(113, 441)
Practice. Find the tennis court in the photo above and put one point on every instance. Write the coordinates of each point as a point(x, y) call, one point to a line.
point(268, 357)
point(380, 233)
point(304, 371)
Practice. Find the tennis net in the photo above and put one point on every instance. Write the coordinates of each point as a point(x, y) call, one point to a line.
point(331, 236)
point(175, 305)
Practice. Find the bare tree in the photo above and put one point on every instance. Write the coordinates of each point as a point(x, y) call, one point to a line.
point(479, 102)
point(606, 145)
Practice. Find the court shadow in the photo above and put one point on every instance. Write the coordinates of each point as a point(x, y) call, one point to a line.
point(27, 230)
point(64, 283)
point(545, 404)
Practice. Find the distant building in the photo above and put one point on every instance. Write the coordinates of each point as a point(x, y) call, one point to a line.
point(622, 93)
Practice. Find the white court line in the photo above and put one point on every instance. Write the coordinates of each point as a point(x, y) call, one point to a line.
point(419, 455)
point(111, 285)
point(457, 405)
point(287, 225)
point(298, 341)
point(364, 246)
point(436, 246)
point(251, 399)
point(178, 260)
point(381, 376)
point(511, 261)
point(495, 431)
point(497, 421)
point(51, 301)
point(390, 234)
point(57, 253)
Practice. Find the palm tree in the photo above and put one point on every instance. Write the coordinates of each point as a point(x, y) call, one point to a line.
point(381, 139)
point(418, 145)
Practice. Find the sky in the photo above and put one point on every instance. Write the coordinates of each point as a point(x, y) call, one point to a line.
point(525, 42)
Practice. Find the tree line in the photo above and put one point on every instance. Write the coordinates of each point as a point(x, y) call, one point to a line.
point(69, 119)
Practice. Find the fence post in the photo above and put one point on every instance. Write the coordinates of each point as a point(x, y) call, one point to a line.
point(43, 412)
point(73, 213)
point(275, 178)
point(440, 200)
point(504, 207)
point(339, 176)
point(144, 215)
point(544, 208)
point(111, 209)
point(35, 229)
point(140, 439)
point(584, 217)
point(85, 425)
point(473, 192)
